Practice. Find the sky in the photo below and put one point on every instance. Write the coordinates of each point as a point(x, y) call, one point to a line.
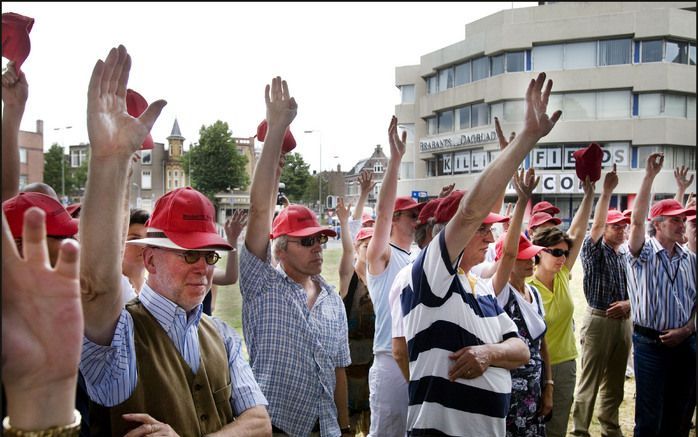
point(211, 61)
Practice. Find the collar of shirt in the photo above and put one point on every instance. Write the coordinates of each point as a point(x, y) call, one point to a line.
point(324, 286)
point(165, 311)
point(622, 249)
point(657, 247)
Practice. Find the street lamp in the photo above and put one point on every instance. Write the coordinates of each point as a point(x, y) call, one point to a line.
point(62, 160)
point(319, 175)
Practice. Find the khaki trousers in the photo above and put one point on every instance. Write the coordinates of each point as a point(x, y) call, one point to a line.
point(605, 349)
point(564, 376)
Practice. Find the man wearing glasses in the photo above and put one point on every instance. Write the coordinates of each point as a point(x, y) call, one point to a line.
point(294, 322)
point(606, 330)
point(180, 372)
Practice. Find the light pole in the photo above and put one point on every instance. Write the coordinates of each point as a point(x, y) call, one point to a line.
point(62, 160)
point(138, 199)
point(319, 174)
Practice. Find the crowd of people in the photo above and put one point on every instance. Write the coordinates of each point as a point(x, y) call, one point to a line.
point(468, 335)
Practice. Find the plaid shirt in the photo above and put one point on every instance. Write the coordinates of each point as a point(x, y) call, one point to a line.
point(294, 351)
point(605, 273)
point(662, 290)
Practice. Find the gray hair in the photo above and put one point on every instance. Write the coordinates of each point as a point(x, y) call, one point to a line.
point(438, 227)
point(652, 231)
point(279, 244)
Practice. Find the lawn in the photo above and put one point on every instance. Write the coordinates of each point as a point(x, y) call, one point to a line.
point(228, 307)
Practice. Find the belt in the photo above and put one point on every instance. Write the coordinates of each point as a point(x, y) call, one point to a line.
point(647, 332)
point(276, 430)
point(595, 312)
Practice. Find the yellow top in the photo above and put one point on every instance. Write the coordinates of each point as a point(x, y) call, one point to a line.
point(559, 310)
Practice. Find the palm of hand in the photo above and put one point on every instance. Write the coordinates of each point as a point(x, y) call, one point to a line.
point(37, 351)
point(111, 129)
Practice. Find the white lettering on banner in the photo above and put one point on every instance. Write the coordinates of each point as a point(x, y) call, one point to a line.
point(621, 155)
point(567, 183)
point(448, 142)
point(569, 158)
point(479, 161)
point(548, 183)
point(554, 158)
point(462, 162)
point(510, 188)
point(539, 158)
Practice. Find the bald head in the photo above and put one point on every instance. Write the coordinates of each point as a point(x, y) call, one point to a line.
point(40, 187)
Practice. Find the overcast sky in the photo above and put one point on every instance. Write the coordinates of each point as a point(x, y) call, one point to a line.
point(211, 61)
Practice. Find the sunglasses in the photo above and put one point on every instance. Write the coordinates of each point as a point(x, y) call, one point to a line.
point(557, 252)
point(310, 241)
point(193, 256)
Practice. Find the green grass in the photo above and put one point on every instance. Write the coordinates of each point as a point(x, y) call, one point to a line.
point(228, 308)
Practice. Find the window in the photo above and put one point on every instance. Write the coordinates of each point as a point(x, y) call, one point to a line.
point(674, 105)
point(691, 107)
point(377, 188)
point(407, 170)
point(514, 110)
point(74, 158)
point(22, 181)
point(547, 58)
point(463, 115)
point(463, 73)
point(649, 104)
point(652, 50)
point(22, 155)
point(614, 51)
point(431, 126)
point(666, 105)
point(479, 115)
point(497, 65)
point(692, 54)
point(176, 183)
point(481, 68)
point(378, 167)
point(677, 52)
point(446, 121)
point(409, 128)
point(431, 167)
point(497, 110)
point(580, 55)
point(146, 183)
point(432, 85)
point(515, 61)
point(613, 104)
point(642, 154)
point(176, 174)
point(146, 157)
point(446, 79)
point(407, 94)
point(579, 106)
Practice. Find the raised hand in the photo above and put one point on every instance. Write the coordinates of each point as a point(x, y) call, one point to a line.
point(112, 131)
point(446, 190)
point(654, 164)
point(525, 183)
point(503, 142)
point(682, 182)
point(342, 211)
point(536, 120)
point(15, 88)
point(42, 321)
point(281, 107)
point(365, 181)
point(588, 187)
point(234, 225)
point(610, 182)
point(397, 142)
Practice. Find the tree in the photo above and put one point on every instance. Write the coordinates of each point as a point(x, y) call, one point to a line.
point(296, 177)
point(215, 164)
point(311, 194)
point(53, 171)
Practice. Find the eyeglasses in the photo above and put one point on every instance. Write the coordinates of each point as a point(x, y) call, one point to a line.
point(192, 256)
point(310, 241)
point(484, 230)
point(557, 252)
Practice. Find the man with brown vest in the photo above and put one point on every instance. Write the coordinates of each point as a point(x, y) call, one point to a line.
point(157, 366)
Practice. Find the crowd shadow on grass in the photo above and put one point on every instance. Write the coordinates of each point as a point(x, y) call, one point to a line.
point(229, 304)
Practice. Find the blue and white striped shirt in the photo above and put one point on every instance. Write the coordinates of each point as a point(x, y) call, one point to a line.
point(442, 316)
point(662, 290)
point(111, 372)
point(294, 350)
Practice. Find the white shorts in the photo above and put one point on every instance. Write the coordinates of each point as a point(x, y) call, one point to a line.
point(388, 397)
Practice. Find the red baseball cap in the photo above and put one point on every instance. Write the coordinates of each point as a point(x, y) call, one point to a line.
point(615, 216)
point(449, 205)
point(58, 222)
point(363, 234)
point(74, 209)
point(545, 207)
point(428, 211)
point(289, 142)
point(366, 219)
point(135, 106)
point(587, 162)
point(183, 219)
point(298, 221)
point(15, 38)
point(527, 250)
point(628, 213)
point(404, 203)
point(670, 207)
point(539, 218)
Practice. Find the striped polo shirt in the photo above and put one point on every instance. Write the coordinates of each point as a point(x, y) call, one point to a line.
point(662, 289)
point(441, 316)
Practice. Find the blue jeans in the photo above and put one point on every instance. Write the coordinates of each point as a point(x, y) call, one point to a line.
point(665, 380)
